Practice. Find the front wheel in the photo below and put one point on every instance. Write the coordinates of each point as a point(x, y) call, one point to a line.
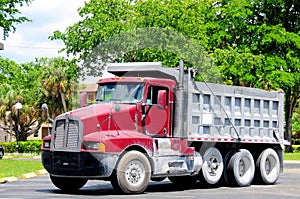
point(68, 184)
point(1, 154)
point(132, 174)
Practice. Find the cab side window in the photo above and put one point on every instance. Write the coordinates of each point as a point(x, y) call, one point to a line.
point(153, 94)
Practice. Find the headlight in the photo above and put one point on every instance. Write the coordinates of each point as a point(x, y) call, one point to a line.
point(91, 145)
point(94, 146)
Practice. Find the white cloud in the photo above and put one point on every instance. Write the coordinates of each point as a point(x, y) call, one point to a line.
point(31, 39)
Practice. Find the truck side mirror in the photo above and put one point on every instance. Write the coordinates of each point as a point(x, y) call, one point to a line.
point(162, 99)
point(83, 101)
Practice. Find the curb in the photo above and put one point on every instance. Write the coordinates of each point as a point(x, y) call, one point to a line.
point(28, 175)
point(9, 179)
point(41, 172)
point(24, 176)
point(292, 161)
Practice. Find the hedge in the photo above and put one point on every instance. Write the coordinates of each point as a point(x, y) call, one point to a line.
point(296, 148)
point(30, 146)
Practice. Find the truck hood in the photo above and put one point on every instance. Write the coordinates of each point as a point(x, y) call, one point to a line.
point(106, 116)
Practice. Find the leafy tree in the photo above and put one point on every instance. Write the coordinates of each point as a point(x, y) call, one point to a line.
point(59, 82)
point(296, 122)
point(258, 45)
point(19, 83)
point(253, 42)
point(19, 123)
point(23, 78)
point(10, 15)
point(50, 81)
point(100, 32)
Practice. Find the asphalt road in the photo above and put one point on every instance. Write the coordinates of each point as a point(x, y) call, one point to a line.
point(288, 186)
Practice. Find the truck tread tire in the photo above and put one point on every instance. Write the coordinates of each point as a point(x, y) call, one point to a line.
point(132, 173)
point(212, 168)
point(240, 169)
point(267, 167)
point(68, 184)
point(226, 178)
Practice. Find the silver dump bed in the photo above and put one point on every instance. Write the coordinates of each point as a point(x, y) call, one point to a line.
point(228, 113)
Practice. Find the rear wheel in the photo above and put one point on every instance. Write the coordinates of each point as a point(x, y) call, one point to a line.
point(68, 184)
point(240, 169)
point(132, 174)
point(212, 168)
point(267, 167)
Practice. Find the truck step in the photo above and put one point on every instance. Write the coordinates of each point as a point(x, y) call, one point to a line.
point(178, 166)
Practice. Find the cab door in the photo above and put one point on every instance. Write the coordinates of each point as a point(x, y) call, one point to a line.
point(156, 112)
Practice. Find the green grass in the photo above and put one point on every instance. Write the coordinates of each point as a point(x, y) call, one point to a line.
point(292, 156)
point(16, 168)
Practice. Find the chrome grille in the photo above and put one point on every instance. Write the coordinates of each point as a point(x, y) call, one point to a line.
point(67, 134)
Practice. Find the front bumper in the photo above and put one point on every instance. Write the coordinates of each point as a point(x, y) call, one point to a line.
point(79, 164)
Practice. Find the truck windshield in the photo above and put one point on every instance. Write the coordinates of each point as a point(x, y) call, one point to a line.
point(122, 92)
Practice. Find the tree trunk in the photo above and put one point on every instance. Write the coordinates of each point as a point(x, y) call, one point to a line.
point(63, 100)
point(291, 99)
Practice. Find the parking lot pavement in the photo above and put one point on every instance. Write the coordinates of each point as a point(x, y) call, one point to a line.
point(288, 186)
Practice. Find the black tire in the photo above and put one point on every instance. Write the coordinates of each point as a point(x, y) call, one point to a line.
point(212, 168)
point(68, 184)
point(227, 179)
point(267, 167)
point(240, 169)
point(1, 154)
point(132, 174)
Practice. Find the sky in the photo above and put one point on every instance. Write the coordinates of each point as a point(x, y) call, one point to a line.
point(31, 38)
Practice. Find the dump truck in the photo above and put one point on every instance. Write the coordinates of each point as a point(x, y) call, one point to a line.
point(154, 123)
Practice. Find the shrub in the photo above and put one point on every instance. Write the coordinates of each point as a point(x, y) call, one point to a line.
point(296, 141)
point(296, 148)
point(30, 146)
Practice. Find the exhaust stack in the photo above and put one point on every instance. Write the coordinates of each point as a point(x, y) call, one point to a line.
point(180, 103)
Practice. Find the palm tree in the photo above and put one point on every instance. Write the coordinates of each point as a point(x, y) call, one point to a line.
point(59, 81)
